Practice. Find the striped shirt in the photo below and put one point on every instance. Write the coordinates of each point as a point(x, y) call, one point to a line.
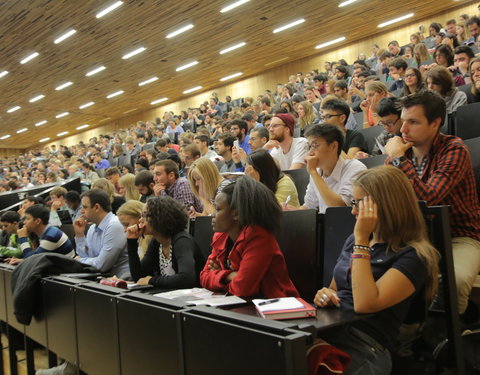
point(51, 240)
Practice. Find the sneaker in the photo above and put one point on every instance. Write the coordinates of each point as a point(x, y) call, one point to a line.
point(66, 368)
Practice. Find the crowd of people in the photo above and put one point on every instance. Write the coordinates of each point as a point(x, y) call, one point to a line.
point(226, 159)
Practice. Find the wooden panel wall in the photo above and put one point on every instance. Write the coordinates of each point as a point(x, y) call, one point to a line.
point(252, 86)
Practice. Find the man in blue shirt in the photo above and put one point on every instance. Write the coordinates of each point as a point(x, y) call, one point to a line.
point(100, 163)
point(239, 129)
point(105, 246)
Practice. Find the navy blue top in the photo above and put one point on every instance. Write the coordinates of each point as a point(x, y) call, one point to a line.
point(385, 324)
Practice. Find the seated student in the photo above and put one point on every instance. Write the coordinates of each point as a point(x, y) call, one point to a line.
point(115, 200)
point(59, 203)
point(239, 129)
point(223, 147)
point(144, 183)
point(9, 224)
point(130, 213)
point(206, 182)
point(259, 136)
point(374, 92)
point(473, 94)
point(169, 262)
point(113, 175)
point(336, 112)
point(397, 68)
point(380, 269)
point(51, 238)
point(74, 203)
point(128, 190)
point(246, 260)
point(330, 175)
point(261, 167)
point(440, 80)
point(202, 140)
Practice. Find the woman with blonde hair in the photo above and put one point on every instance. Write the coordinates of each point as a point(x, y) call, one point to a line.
point(306, 116)
point(461, 32)
point(421, 55)
point(130, 214)
point(206, 182)
point(474, 72)
point(107, 186)
point(380, 269)
point(128, 190)
point(374, 92)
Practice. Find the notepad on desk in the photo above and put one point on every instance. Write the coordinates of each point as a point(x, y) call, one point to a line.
point(284, 308)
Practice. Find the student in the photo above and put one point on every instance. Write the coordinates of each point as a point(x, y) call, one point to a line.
point(130, 213)
point(439, 79)
point(259, 136)
point(169, 262)
point(144, 183)
point(246, 260)
point(380, 269)
point(9, 224)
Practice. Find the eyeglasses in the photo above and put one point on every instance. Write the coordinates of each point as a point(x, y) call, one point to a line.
point(355, 202)
point(388, 124)
point(328, 117)
point(274, 126)
point(411, 75)
point(312, 146)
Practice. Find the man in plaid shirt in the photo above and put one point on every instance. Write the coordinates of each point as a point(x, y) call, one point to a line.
point(440, 171)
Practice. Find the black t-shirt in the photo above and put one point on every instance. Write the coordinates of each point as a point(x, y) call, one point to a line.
point(354, 138)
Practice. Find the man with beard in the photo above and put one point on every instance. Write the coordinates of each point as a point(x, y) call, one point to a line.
point(144, 183)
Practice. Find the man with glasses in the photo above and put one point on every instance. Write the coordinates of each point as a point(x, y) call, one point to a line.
point(331, 176)
point(258, 137)
point(289, 152)
point(389, 114)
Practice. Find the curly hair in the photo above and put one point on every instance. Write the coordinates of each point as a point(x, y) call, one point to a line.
point(166, 215)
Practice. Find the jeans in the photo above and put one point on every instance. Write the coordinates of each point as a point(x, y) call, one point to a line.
point(368, 356)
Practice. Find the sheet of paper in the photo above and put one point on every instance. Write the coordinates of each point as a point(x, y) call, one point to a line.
point(182, 293)
point(218, 301)
point(287, 303)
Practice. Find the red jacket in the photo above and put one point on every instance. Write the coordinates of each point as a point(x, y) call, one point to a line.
point(261, 267)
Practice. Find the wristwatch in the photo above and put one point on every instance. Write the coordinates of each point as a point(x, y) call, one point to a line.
point(397, 161)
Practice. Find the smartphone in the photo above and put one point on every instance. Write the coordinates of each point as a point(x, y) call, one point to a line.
point(236, 144)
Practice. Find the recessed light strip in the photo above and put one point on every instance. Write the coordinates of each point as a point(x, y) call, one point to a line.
point(345, 3)
point(239, 45)
point(3, 74)
point(86, 105)
point(409, 15)
point(82, 126)
point(287, 26)
point(62, 133)
point(159, 101)
point(179, 31)
point(95, 71)
point(233, 5)
point(22, 130)
point(109, 9)
point(63, 114)
point(36, 98)
point(146, 82)
point(13, 109)
point(186, 66)
point(188, 91)
point(5, 137)
point(64, 85)
point(116, 93)
point(65, 36)
point(326, 44)
point(29, 57)
point(44, 139)
point(231, 76)
point(41, 123)
point(133, 53)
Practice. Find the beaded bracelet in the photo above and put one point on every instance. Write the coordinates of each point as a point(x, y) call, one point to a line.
point(360, 256)
point(361, 247)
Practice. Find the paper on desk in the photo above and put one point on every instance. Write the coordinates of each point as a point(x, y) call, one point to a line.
point(194, 293)
point(219, 300)
point(287, 303)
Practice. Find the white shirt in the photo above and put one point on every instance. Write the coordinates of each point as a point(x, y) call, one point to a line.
point(340, 182)
point(297, 154)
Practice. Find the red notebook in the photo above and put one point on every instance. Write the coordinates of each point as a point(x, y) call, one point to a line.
point(284, 308)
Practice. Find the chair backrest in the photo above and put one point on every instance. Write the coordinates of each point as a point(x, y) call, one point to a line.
point(300, 178)
point(467, 121)
point(358, 116)
point(202, 232)
point(370, 134)
point(148, 146)
point(473, 145)
point(299, 244)
point(124, 159)
point(338, 224)
point(374, 161)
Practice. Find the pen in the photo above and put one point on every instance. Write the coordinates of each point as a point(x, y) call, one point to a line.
point(263, 303)
point(287, 201)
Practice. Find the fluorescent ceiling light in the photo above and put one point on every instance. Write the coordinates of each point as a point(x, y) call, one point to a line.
point(159, 101)
point(133, 53)
point(192, 89)
point(22, 130)
point(3, 74)
point(186, 66)
point(287, 26)
point(232, 48)
point(116, 93)
point(105, 119)
point(179, 31)
point(82, 126)
point(5, 137)
point(345, 3)
point(36, 98)
point(86, 105)
point(109, 9)
point(63, 114)
point(13, 109)
point(41, 123)
point(146, 82)
point(29, 57)
point(44, 139)
point(231, 76)
point(64, 85)
point(95, 71)
point(326, 44)
point(130, 110)
point(65, 36)
point(233, 5)
point(396, 20)
point(62, 133)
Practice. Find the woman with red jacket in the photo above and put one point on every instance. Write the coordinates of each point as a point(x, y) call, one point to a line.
point(246, 260)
